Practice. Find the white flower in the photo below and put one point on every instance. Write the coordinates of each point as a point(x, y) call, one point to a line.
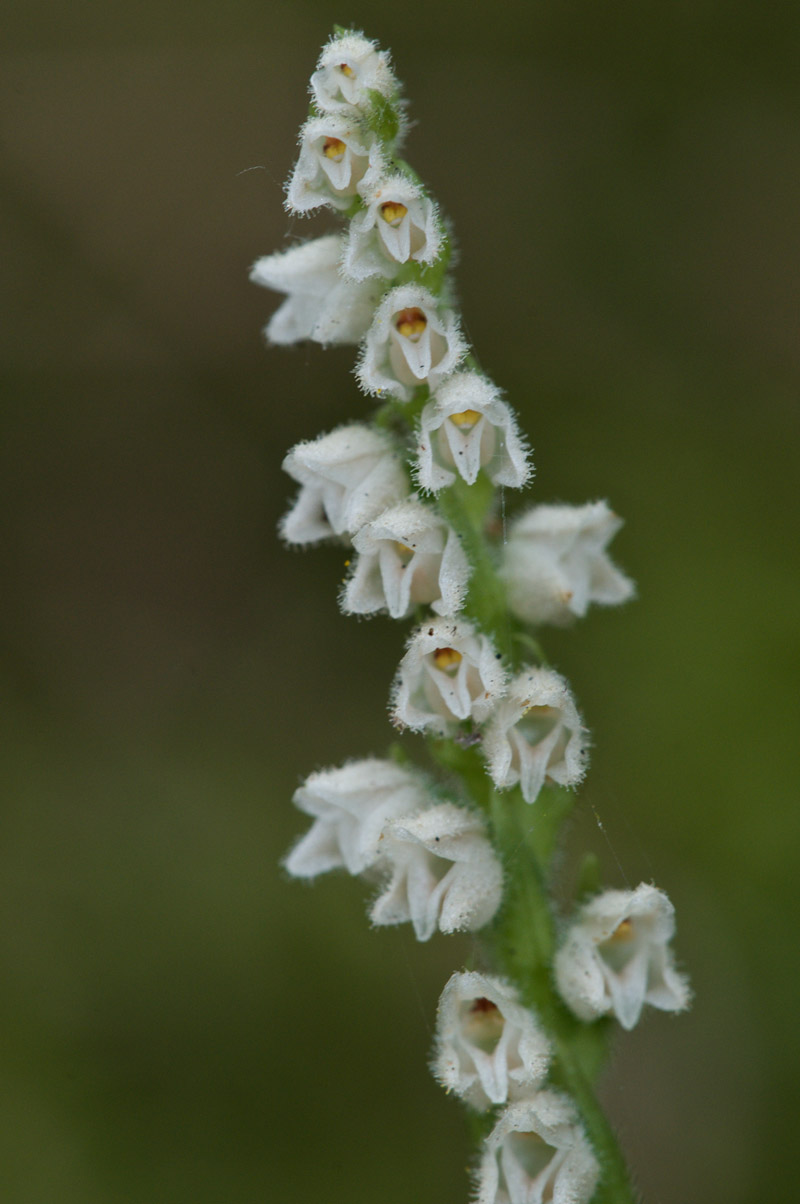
point(444, 873)
point(348, 477)
point(335, 153)
point(556, 564)
point(465, 428)
point(410, 343)
point(450, 673)
point(537, 1154)
point(489, 1048)
point(398, 224)
point(351, 805)
point(616, 957)
point(535, 735)
point(349, 68)
point(406, 556)
point(321, 304)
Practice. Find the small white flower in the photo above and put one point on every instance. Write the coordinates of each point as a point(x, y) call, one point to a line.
point(399, 224)
point(349, 68)
point(465, 428)
point(535, 735)
point(335, 153)
point(444, 873)
point(321, 304)
point(489, 1048)
point(406, 556)
point(537, 1153)
point(347, 477)
point(616, 957)
point(555, 562)
point(450, 673)
point(351, 805)
point(410, 343)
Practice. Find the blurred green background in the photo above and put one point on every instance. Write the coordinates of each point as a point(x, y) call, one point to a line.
point(179, 1021)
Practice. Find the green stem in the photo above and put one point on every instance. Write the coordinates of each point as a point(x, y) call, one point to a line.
point(523, 943)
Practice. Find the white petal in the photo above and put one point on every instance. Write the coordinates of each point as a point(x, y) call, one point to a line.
point(616, 957)
point(543, 1152)
point(556, 565)
point(535, 735)
point(450, 445)
point(395, 363)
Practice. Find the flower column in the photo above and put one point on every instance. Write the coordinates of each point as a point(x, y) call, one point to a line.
point(470, 847)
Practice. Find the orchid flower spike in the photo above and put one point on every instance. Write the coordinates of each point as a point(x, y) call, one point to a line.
point(443, 872)
point(467, 428)
point(616, 957)
point(537, 1153)
point(489, 1048)
point(555, 563)
point(320, 304)
point(351, 806)
point(411, 342)
point(347, 478)
point(406, 556)
point(450, 673)
point(535, 735)
point(349, 69)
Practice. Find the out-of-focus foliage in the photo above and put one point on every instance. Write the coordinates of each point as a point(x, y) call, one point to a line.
point(179, 1022)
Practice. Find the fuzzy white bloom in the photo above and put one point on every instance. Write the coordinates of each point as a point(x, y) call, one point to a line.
point(450, 673)
point(406, 556)
point(347, 477)
point(556, 564)
point(349, 68)
point(616, 957)
point(489, 1048)
point(410, 342)
point(465, 428)
point(444, 872)
point(351, 806)
point(320, 304)
point(398, 224)
point(535, 735)
point(335, 153)
point(537, 1153)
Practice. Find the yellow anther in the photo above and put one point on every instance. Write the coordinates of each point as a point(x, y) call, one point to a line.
point(466, 419)
point(410, 323)
point(393, 212)
point(347, 70)
point(403, 550)
point(333, 148)
point(447, 658)
point(623, 931)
